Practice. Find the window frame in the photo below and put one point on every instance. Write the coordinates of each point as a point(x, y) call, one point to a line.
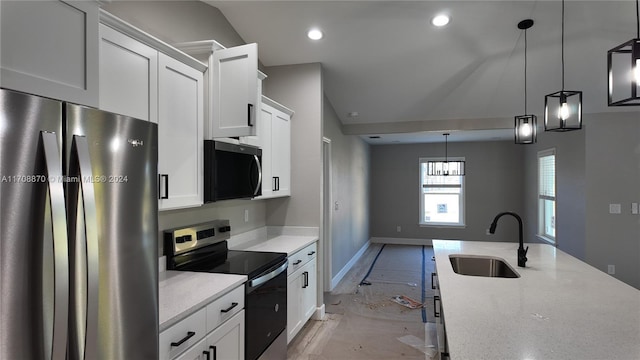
point(541, 233)
point(461, 203)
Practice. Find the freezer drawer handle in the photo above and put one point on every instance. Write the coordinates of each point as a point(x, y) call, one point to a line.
point(233, 304)
point(190, 334)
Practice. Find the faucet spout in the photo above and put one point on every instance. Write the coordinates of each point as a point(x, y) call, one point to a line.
point(522, 252)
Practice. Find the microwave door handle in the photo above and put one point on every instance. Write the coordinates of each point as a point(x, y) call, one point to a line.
point(257, 160)
point(87, 211)
point(55, 317)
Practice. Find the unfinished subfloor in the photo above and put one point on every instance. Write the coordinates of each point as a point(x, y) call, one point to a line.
point(363, 322)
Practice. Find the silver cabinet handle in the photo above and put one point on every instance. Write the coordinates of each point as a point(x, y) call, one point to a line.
point(259, 182)
point(57, 224)
point(83, 237)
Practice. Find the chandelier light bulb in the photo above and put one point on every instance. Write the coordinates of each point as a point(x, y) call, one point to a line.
point(525, 130)
point(563, 113)
point(636, 70)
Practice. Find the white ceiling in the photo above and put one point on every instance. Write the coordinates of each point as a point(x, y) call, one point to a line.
point(384, 60)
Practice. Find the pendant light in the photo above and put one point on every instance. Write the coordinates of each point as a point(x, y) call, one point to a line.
point(623, 64)
point(526, 126)
point(446, 167)
point(563, 109)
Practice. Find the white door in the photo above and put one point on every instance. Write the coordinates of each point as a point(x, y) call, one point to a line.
point(180, 134)
point(128, 76)
point(234, 77)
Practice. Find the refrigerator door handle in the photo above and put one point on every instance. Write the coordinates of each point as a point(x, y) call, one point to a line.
point(87, 241)
point(57, 312)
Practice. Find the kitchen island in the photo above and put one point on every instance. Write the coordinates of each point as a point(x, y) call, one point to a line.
point(559, 307)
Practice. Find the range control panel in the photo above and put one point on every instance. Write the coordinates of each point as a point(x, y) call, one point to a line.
point(181, 240)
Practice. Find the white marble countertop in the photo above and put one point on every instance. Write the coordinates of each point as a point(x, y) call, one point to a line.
point(181, 293)
point(289, 244)
point(559, 307)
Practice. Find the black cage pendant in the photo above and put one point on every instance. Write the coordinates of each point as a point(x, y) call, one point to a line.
point(563, 109)
point(623, 71)
point(446, 167)
point(526, 126)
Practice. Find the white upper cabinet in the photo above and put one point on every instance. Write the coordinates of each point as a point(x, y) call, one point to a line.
point(233, 92)
point(50, 48)
point(180, 134)
point(128, 76)
point(234, 76)
point(143, 77)
point(274, 137)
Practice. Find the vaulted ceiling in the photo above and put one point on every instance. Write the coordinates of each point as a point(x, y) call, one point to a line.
point(387, 62)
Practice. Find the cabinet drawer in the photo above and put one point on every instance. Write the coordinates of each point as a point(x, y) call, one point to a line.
point(225, 307)
point(300, 258)
point(183, 335)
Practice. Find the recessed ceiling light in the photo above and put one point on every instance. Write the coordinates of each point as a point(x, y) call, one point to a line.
point(315, 34)
point(440, 20)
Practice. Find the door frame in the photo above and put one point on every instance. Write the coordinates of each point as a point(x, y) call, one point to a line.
point(327, 214)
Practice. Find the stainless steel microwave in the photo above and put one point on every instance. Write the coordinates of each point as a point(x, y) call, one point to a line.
point(231, 171)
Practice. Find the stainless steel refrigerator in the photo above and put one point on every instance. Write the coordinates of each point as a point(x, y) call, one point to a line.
point(79, 228)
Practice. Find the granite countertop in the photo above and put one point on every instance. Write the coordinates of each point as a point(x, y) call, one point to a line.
point(288, 244)
point(181, 293)
point(559, 307)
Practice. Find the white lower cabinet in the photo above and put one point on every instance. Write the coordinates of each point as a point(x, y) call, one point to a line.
point(215, 332)
point(301, 289)
point(224, 343)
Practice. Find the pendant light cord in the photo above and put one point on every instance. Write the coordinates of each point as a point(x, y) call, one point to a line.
point(562, 44)
point(525, 71)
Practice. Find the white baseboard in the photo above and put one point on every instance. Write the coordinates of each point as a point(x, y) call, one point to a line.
point(336, 279)
point(319, 313)
point(400, 241)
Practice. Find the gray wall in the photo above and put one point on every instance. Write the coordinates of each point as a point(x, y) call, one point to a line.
point(494, 183)
point(299, 87)
point(613, 177)
point(350, 163)
point(570, 189)
point(179, 21)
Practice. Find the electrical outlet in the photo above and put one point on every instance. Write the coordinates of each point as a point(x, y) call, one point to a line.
point(398, 228)
point(246, 215)
point(611, 269)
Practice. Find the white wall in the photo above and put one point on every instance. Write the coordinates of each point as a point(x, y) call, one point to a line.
point(613, 177)
point(493, 183)
point(299, 87)
point(350, 190)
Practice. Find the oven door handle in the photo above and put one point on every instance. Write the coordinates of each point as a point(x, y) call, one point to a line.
point(266, 277)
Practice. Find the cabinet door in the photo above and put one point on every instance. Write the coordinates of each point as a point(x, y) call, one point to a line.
point(233, 80)
point(50, 48)
point(294, 297)
point(227, 341)
point(196, 352)
point(309, 291)
point(128, 76)
point(264, 134)
point(281, 153)
point(180, 134)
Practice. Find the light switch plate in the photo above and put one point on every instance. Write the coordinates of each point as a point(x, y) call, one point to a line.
point(615, 209)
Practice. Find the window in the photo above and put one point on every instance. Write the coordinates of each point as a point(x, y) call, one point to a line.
point(441, 197)
point(547, 195)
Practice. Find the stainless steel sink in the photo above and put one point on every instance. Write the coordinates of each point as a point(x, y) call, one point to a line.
point(486, 266)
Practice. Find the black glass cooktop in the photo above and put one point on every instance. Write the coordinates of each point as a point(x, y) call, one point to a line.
point(250, 263)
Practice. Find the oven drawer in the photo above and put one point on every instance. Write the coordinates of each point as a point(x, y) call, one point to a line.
point(225, 307)
point(300, 258)
point(183, 335)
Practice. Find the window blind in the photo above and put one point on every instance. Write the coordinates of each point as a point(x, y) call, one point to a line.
point(547, 173)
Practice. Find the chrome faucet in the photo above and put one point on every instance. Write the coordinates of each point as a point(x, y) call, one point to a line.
point(522, 252)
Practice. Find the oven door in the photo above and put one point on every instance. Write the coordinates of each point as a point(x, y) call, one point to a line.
point(265, 310)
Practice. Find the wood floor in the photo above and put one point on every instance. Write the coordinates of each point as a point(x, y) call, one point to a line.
point(363, 322)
